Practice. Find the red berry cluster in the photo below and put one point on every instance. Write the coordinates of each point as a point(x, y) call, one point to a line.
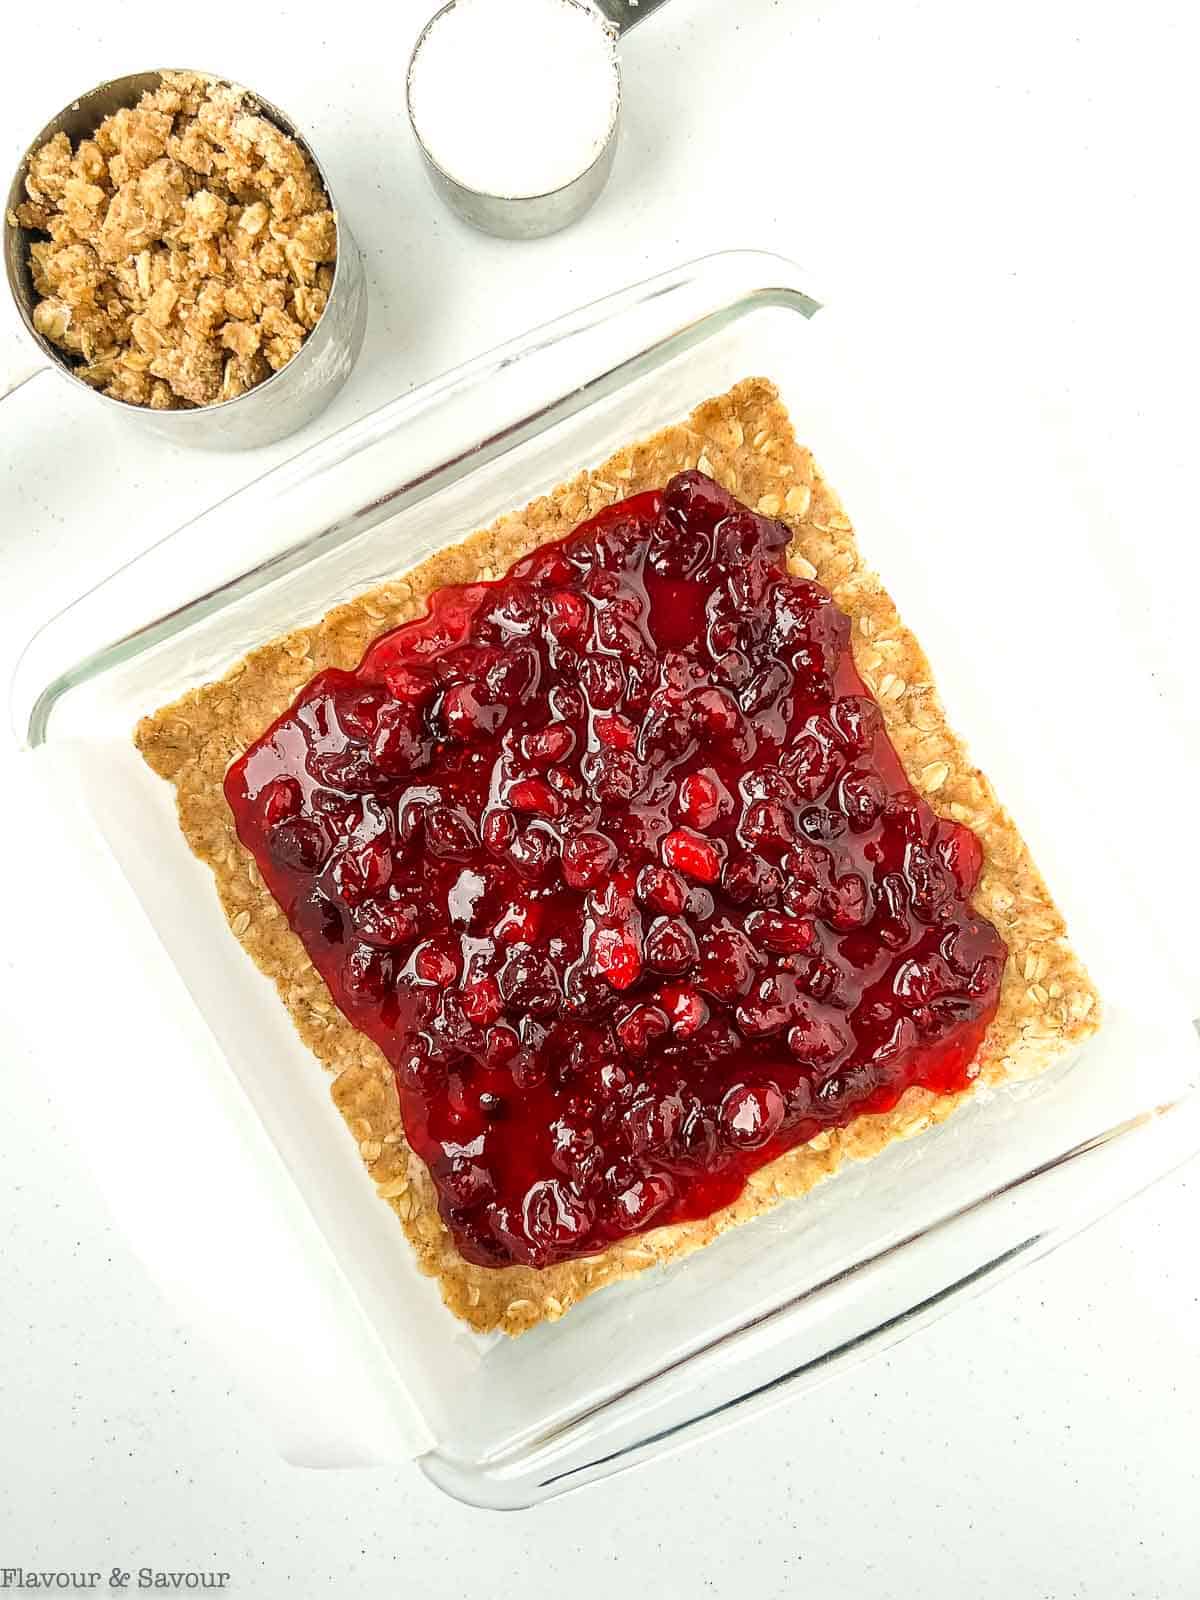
point(614, 861)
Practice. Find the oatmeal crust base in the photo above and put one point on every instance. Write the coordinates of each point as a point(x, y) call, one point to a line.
point(744, 439)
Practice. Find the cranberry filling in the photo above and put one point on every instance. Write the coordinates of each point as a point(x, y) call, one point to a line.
point(615, 863)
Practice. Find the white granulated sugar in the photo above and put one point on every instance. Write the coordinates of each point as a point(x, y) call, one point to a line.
point(515, 97)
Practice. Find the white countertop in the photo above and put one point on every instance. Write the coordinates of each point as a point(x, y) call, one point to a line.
point(1003, 196)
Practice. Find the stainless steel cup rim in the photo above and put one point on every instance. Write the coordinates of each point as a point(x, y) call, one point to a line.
point(484, 194)
point(127, 90)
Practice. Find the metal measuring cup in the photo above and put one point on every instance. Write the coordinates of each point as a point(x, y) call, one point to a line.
point(272, 409)
point(533, 216)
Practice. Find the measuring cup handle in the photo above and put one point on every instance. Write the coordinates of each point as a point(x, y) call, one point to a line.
point(10, 382)
point(626, 14)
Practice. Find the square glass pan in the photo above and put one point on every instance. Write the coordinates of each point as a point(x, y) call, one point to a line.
point(773, 1307)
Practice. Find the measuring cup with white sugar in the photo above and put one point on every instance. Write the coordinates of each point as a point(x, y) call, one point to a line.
point(515, 105)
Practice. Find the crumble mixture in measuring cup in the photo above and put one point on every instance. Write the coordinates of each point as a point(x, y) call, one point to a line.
point(190, 246)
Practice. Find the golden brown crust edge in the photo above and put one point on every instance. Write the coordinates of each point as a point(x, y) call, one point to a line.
point(745, 440)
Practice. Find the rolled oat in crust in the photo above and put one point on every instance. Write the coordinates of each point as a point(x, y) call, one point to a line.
point(744, 440)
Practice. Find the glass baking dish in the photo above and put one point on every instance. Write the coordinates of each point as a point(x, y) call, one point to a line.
point(292, 1235)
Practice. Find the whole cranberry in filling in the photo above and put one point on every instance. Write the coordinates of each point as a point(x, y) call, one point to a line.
point(614, 861)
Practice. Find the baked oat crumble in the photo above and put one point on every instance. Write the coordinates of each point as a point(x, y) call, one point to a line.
point(190, 246)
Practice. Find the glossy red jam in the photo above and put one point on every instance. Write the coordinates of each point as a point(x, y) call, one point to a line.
point(615, 863)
